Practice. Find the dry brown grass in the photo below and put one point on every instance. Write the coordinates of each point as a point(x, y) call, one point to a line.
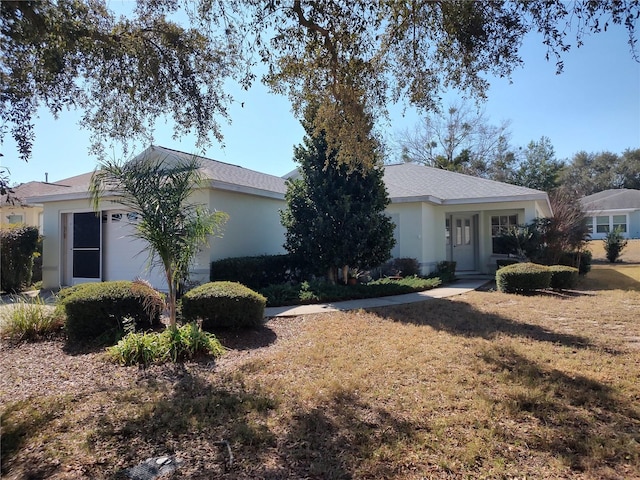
point(630, 254)
point(484, 385)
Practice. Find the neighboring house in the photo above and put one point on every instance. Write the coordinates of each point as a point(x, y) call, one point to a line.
point(439, 215)
point(16, 209)
point(80, 246)
point(611, 209)
point(443, 215)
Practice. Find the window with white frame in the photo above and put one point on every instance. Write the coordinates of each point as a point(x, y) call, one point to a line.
point(602, 224)
point(501, 224)
point(620, 223)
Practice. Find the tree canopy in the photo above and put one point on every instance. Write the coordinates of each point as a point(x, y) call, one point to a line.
point(589, 173)
point(351, 58)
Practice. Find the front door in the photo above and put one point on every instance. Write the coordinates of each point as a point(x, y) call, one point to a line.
point(463, 242)
point(82, 248)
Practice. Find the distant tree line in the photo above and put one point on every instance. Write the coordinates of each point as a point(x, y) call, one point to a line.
point(463, 140)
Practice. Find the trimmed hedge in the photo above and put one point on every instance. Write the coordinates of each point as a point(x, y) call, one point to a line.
point(505, 262)
point(223, 305)
point(18, 244)
point(523, 277)
point(96, 309)
point(254, 272)
point(563, 277)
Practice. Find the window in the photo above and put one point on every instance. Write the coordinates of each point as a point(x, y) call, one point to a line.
point(589, 221)
point(620, 223)
point(501, 224)
point(447, 231)
point(467, 231)
point(458, 231)
point(15, 218)
point(602, 224)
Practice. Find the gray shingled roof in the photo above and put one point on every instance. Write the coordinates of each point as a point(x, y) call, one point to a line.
point(222, 175)
point(615, 199)
point(226, 173)
point(408, 180)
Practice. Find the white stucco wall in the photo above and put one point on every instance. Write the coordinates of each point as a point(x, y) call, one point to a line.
point(422, 228)
point(253, 227)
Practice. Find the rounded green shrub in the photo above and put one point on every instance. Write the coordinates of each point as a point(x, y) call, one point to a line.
point(563, 277)
point(223, 305)
point(95, 309)
point(523, 277)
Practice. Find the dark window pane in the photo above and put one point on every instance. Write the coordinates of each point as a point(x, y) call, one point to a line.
point(86, 230)
point(86, 263)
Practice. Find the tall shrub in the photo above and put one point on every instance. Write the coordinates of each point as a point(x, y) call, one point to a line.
point(614, 243)
point(18, 244)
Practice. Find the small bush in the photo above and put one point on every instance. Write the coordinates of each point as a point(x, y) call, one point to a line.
point(284, 294)
point(173, 344)
point(563, 277)
point(614, 243)
point(579, 259)
point(96, 309)
point(505, 262)
point(523, 277)
point(29, 320)
point(18, 245)
point(254, 272)
point(446, 271)
point(223, 305)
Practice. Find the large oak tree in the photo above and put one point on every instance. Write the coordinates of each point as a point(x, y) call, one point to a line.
point(352, 58)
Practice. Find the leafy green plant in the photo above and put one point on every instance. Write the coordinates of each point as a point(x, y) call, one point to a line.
point(30, 319)
point(173, 344)
point(523, 277)
point(223, 305)
point(18, 245)
point(614, 243)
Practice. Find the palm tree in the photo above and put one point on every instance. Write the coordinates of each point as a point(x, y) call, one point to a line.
point(159, 191)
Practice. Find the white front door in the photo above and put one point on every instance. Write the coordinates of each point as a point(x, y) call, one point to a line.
point(463, 242)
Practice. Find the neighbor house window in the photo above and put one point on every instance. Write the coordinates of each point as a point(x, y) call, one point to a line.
point(602, 224)
point(620, 223)
point(501, 224)
point(15, 218)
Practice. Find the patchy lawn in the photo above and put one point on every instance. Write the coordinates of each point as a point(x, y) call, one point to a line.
point(484, 385)
point(630, 254)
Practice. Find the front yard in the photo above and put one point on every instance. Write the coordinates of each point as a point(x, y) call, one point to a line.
point(484, 385)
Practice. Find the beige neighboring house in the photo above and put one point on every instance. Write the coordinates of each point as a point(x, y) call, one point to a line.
point(613, 209)
point(16, 209)
point(439, 215)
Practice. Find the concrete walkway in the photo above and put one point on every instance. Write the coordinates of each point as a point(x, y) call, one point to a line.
point(457, 288)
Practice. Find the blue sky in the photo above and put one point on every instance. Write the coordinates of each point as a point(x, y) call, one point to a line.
point(593, 106)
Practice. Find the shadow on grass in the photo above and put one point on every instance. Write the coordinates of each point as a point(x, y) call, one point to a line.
point(248, 339)
point(585, 422)
point(609, 278)
point(459, 318)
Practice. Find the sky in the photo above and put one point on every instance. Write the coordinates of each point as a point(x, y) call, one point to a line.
point(593, 106)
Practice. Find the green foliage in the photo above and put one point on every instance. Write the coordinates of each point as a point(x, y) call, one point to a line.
point(254, 272)
point(223, 305)
point(523, 277)
point(539, 169)
point(335, 215)
point(159, 190)
point(580, 259)
point(563, 277)
point(123, 73)
point(173, 344)
point(96, 309)
point(614, 243)
point(28, 320)
point(445, 271)
point(18, 244)
point(322, 291)
point(503, 262)
point(590, 173)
